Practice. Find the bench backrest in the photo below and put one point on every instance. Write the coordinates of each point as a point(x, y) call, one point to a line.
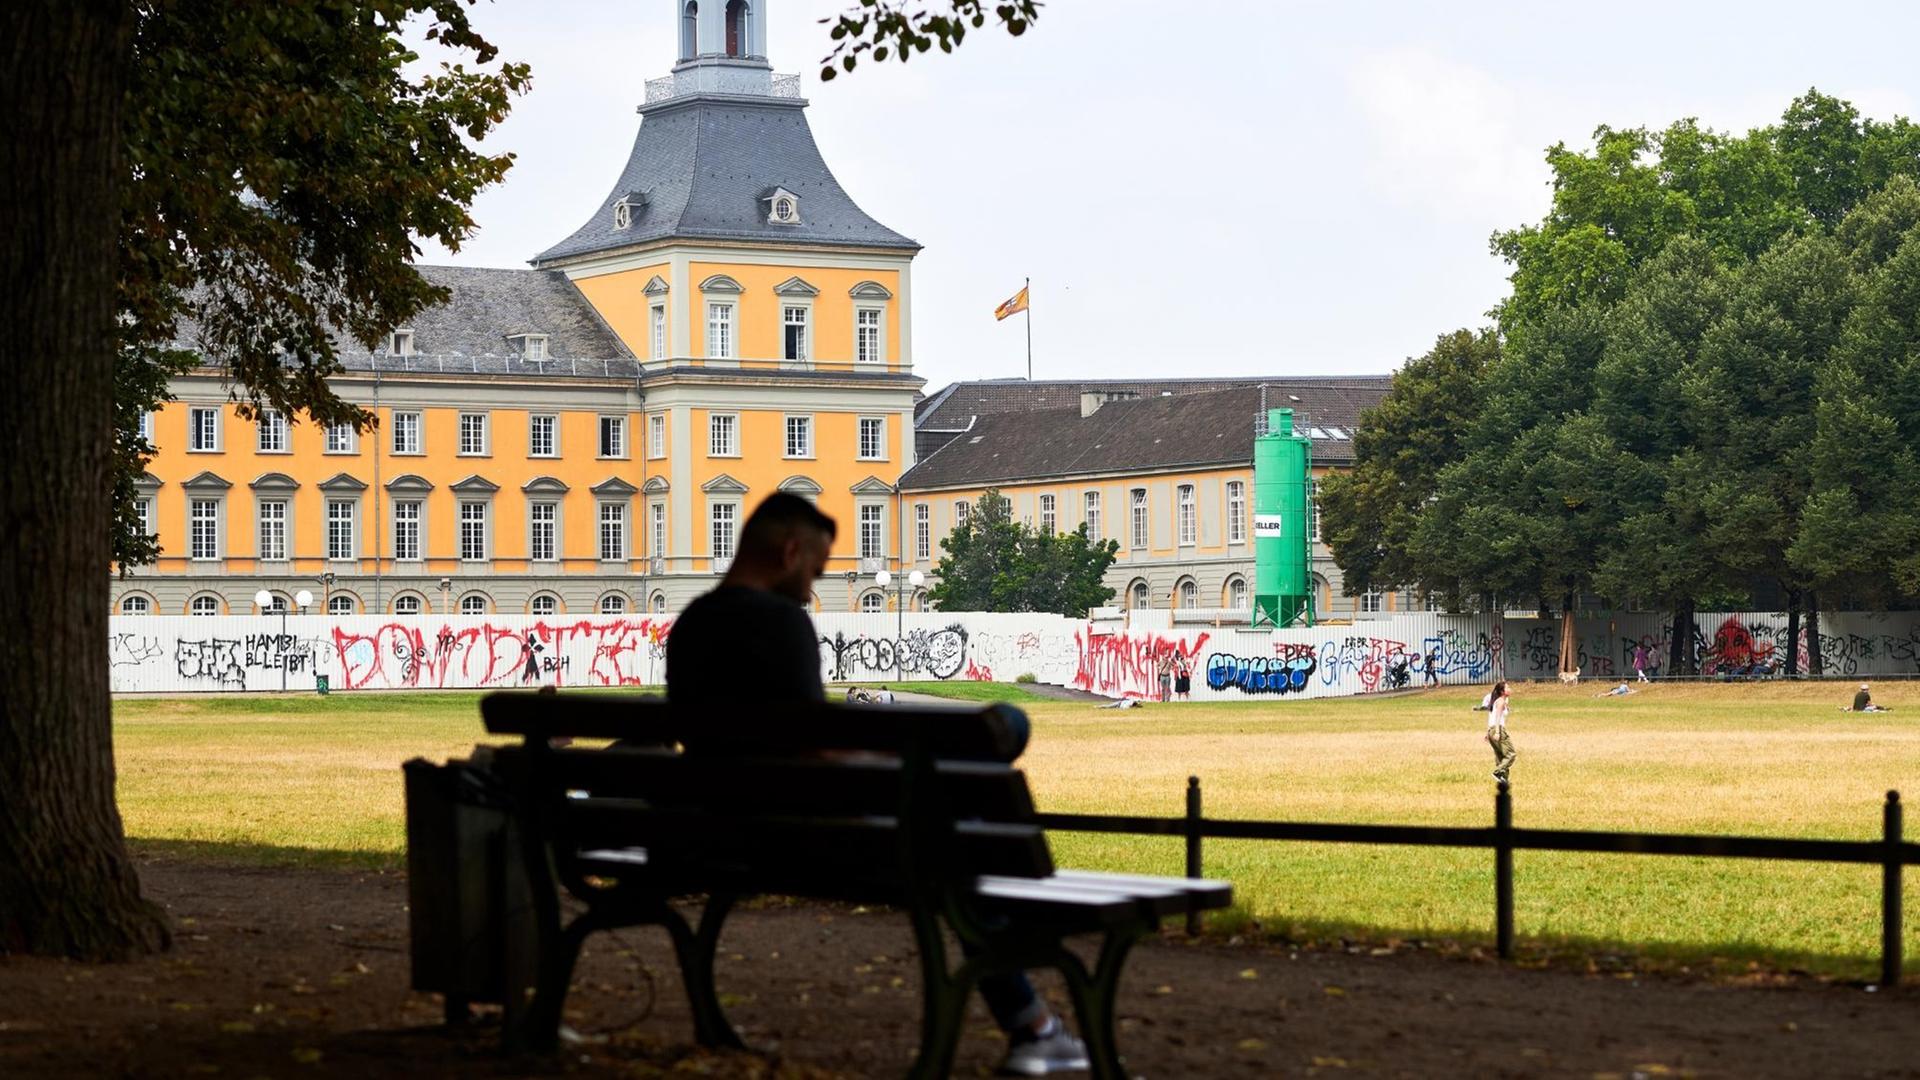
point(818, 800)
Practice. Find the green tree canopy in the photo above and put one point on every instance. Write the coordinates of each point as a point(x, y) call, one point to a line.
point(994, 563)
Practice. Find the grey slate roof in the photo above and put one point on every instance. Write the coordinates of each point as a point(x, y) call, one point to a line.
point(1192, 427)
point(1340, 398)
point(469, 333)
point(703, 165)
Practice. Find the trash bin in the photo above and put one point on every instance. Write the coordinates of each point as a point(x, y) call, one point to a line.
point(320, 685)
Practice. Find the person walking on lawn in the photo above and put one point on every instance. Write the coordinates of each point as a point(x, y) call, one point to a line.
point(1497, 732)
point(758, 610)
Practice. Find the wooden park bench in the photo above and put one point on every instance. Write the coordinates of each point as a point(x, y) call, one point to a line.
point(911, 807)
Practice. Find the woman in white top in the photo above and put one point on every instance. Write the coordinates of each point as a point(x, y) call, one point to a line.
point(1497, 732)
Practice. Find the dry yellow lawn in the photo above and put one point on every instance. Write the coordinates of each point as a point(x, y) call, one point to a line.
point(316, 780)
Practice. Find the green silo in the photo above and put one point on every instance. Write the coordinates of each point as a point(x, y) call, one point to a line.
point(1282, 587)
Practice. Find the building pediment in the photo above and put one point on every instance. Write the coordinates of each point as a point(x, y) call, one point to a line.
point(657, 286)
point(721, 283)
point(147, 483)
point(796, 286)
point(724, 485)
point(545, 485)
point(274, 481)
point(614, 488)
point(475, 485)
point(342, 482)
point(870, 290)
point(655, 485)
point(207, 480)
point(409, 484)
point(800, 485)
point(873, 485)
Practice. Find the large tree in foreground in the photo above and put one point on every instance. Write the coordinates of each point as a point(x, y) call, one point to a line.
point(260, 170)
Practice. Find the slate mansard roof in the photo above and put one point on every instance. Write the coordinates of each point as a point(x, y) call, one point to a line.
point(702, 168)
point(1021, 432)
point(473, 331)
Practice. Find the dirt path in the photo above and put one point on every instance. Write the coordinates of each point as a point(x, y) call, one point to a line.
point(296, 973)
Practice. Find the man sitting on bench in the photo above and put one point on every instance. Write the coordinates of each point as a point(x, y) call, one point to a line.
point(757, 612)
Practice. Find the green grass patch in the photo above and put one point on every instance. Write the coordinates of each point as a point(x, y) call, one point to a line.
point(959, 690)
point(304, 780)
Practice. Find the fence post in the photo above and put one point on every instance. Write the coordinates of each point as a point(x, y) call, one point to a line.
point(1193, 846)
point(1503, 870)
point(1891, 924)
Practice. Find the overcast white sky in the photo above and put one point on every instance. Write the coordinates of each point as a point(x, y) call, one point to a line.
point(1204, 187)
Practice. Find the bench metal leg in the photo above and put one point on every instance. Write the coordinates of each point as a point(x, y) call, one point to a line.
point(556, 978)
point(943, 1001)
point(1093, 1001)
point(695, 952)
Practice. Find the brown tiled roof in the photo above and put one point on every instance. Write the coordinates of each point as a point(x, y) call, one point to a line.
point(1195, 428)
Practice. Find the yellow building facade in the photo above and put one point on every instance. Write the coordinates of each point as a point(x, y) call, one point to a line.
point(586, 436)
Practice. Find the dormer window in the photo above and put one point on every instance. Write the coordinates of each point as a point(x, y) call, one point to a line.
point(532, 346)
point(783, 207)
point(625, 210)
point(401, 343)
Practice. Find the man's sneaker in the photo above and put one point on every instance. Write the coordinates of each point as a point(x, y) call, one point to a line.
point(1043, 1055)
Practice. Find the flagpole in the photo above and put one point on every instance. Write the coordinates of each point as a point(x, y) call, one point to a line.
point(1027, 287)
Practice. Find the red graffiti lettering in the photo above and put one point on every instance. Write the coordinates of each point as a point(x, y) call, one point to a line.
point(1129, 665)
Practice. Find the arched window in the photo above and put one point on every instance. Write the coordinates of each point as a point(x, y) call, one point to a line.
point(737, 34)
point(278, 605)
point(658, 604)
point(407, 604)
point(690, 32)
point(1139, 597)
point(1189, 591)
point(341, 604)
point(920, 600)
point(545, 604)
point(135, 604)
point(613, 604)
point(473, 604)
point(204, 604)
point(873, 601)
point(1237, 593)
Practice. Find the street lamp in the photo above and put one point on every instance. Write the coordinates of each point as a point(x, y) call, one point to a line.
point(446, 596)
point(915, 580)
point(265, 599)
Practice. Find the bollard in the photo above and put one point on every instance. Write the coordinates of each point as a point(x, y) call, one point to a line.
point(1503, 870)
point(1193, 846)
point(1891, 924)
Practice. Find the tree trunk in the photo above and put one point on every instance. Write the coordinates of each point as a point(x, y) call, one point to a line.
point(67, 886)
point(1793, 633)
point(1680, 640)
point(1815, 666)
point(1569, 640)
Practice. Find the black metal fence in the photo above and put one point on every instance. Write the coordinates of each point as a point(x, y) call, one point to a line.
point(1890, 852)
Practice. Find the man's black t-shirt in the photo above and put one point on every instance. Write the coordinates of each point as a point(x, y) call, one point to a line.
point(738, 645)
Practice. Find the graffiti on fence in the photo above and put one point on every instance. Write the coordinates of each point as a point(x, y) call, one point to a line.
point(403, 655)
point(1129, 664)
point(131, 650)
point(939, 653)
point(1286, 672)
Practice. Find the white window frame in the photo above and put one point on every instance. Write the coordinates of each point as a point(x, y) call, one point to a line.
point(211, 601)
point(616, 449)
point(211, 417)
point(1236, 512)
point(467, 601)
point(409, 433)
point(656, 435)
point(1188, 592)
point(872, 530)
point(922, 531)
point(788, 309)
point(537, 421)
point(1049, 515)
point(535, 508)
point(1090, 514)
point(216, 529)
point(143, 509)
point(873, 600)
point(1371, 603)
point(961, 508)
point(146, 425)
point(277, 550)
point(804, 422)
point(612, 604)
point(465, 517)
point(730, 424)
point(543, 604)
point(1185, 515)
point(409, 604)
point(1237, 584)
point(1139, 518)
point(1140, 596)
point(1313, 513)
point(657, 326)
point(400, 343)
point(416, 530)
point(484, 428)
point(879, 423)
point(342, 439)
point(353, 529)
point(723, 331)
point(722, 553)
point(340, 604)
point(612, 515)
point(533, 347)
point(657, 529)
point(136, 600)
point(878, 353)
point(272, 435)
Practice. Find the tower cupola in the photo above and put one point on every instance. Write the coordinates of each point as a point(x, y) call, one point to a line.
point(722, 30)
